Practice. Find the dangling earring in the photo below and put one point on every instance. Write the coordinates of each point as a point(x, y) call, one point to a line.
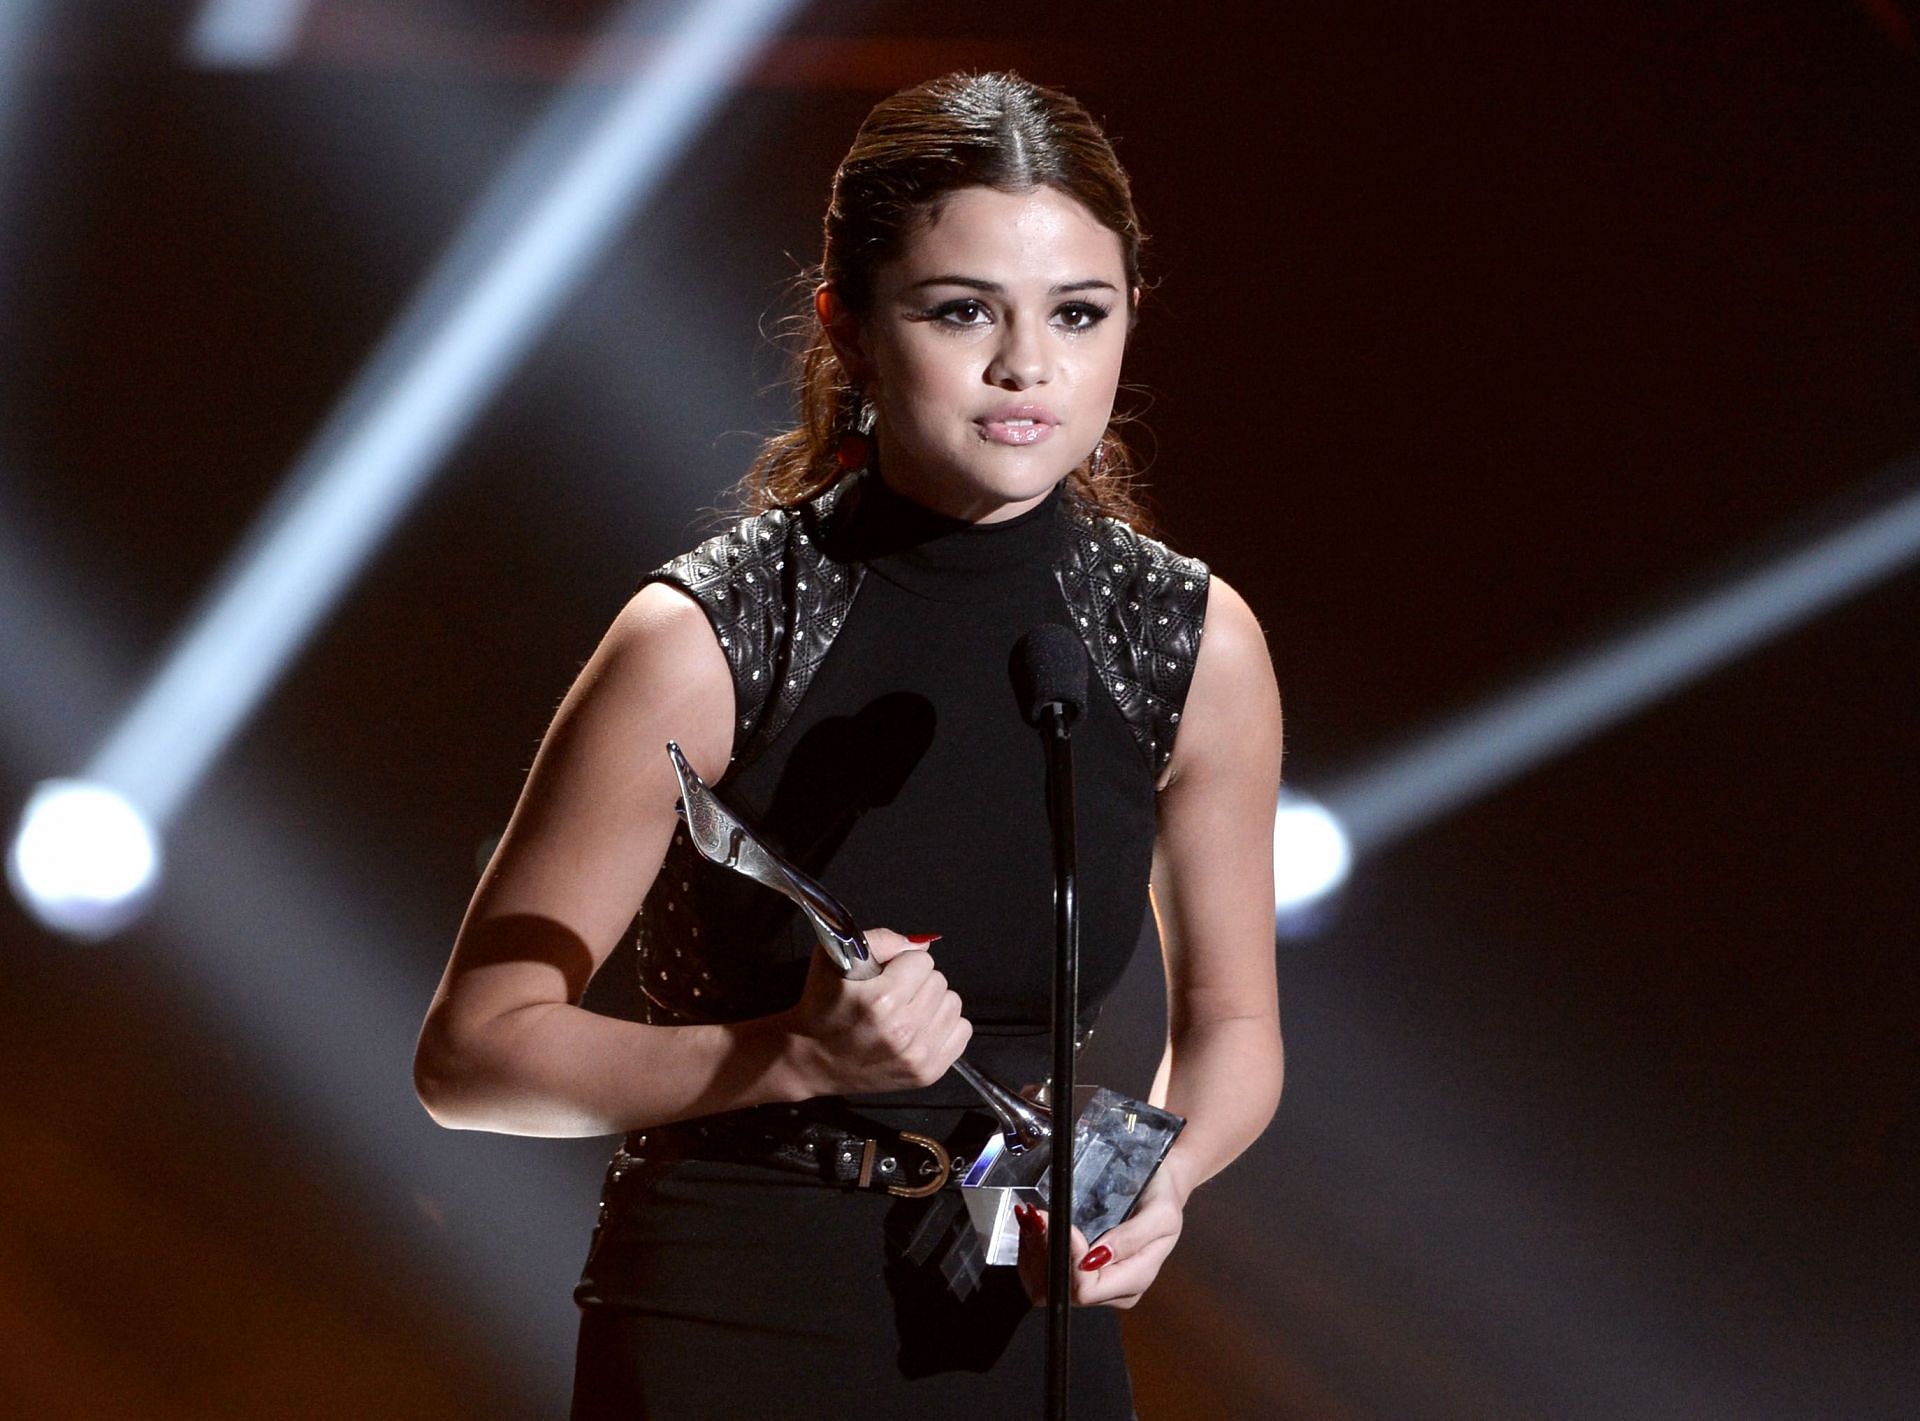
point(856, 449)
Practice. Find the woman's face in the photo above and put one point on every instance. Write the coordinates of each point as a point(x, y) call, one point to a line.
point(992, 350)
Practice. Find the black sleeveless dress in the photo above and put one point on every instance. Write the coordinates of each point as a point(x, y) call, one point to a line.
point(909, 783)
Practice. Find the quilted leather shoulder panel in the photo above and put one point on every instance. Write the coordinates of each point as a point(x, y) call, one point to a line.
point(1140, 608)
point(775, 601)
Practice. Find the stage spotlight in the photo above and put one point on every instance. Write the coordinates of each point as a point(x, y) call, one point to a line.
point(83, 859)
point(1311, 853)
point(245, 34)
point(602, 148)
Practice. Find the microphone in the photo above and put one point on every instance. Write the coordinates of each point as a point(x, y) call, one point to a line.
point(1049, 668)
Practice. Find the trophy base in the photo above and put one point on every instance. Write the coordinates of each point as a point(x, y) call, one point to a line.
point(1118, 1143)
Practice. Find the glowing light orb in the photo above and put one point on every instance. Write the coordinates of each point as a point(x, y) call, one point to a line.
point(84, 860)
point(1311, 852)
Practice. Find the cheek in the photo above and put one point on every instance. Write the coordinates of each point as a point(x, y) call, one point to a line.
point(1099, 375)
point(926, 389)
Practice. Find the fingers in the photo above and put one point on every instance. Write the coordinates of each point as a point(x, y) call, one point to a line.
point(1121, 1282)
point(1034, 1253)
point(1114, 1272)
point(902, 1027)
point(885, 944)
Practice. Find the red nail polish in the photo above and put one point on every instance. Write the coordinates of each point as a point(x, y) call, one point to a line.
point(923, 937)
point(1098, 1257)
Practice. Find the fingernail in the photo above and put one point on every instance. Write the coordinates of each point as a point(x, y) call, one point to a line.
point(1098, 1257)
point(923, 938)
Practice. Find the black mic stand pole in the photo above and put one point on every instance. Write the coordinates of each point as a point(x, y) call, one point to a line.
point(1056, 732)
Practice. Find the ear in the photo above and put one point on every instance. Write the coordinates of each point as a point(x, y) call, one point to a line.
point(843, 329)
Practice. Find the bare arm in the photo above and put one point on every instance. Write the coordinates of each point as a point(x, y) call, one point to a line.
point(1213, 896)
point(506, 1045)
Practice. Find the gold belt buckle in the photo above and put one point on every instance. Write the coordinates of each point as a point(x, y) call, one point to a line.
point(941, 1168)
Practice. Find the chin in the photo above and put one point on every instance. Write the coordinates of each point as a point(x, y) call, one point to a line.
point(1017, 480)
point(976, 488)
point(1005, 489)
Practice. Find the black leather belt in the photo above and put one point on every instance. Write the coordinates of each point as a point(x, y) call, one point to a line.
point(848, 1152)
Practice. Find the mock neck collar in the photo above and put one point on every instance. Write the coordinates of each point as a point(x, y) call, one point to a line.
point(946, 559)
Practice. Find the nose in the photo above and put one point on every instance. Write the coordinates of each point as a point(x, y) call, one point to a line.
point(1021, 360)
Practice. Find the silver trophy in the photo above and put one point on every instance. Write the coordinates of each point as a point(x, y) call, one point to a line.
point(1117, 1142)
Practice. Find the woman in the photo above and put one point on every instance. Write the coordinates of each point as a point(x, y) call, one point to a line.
point(774, 1239)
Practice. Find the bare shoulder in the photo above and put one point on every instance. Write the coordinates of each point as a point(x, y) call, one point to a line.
point(1233, 647)
point(658, 673)
point(662, 621)
point(1233, 705)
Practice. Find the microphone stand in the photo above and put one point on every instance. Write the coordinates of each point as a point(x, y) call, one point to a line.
point(1055, 733)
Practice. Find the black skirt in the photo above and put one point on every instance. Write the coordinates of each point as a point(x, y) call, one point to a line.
point(720, 1290)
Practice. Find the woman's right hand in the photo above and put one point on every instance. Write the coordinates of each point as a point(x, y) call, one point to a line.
point(898, 1030)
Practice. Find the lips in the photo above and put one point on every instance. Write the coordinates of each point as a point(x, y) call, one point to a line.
point(1017, 424)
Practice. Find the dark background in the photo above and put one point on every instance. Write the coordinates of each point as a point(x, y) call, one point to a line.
point(1477, 332)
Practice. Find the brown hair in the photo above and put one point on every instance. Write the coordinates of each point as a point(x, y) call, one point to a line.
point(961, 130)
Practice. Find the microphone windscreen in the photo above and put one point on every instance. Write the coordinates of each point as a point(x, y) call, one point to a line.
point(1049, 666)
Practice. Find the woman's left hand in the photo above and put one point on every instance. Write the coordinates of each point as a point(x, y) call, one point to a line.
point(1124, 1262)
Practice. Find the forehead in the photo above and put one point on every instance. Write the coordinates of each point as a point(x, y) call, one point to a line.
point(1042, 235)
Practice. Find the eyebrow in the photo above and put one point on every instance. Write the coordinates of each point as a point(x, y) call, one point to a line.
point(994, 288)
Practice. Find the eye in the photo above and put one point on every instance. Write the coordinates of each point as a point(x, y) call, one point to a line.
point(1081, 315)
point(964, 312)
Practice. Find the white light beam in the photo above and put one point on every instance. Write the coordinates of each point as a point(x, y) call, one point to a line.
point(556, 207)
point(1483, 748)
